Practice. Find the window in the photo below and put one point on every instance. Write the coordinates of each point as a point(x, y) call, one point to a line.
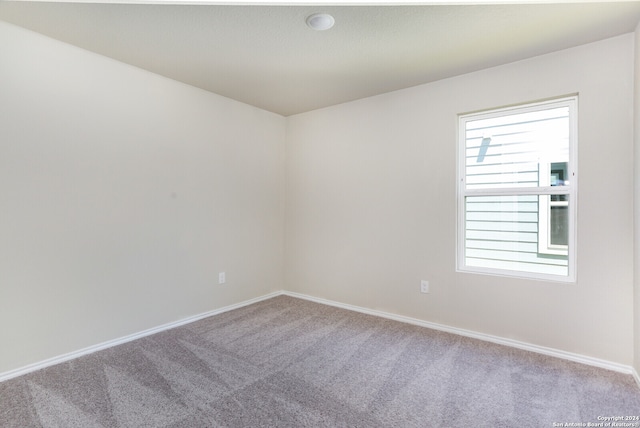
point(517, 183)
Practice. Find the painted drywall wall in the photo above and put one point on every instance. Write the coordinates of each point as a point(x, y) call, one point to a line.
point(636, 122)
point(123, 196)
point(371, 205)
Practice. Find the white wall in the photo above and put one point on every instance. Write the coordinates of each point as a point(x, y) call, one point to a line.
point(123, 194)
point(371, 205)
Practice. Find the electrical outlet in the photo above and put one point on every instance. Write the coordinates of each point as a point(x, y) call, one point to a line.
point(222, 278)
point(424, 286)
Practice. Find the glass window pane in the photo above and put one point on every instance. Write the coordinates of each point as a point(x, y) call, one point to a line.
point(518, 150)
point(559, 226)
point(506, 232)
point(555, 227)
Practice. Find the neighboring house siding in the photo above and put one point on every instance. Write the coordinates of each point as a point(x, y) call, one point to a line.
point(502, 232)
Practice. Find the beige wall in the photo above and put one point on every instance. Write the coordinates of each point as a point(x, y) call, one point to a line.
point(371, 205)
point(123, 194)
point(636, 121)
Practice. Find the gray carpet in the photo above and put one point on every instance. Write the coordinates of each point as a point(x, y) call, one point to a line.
point(286, 362)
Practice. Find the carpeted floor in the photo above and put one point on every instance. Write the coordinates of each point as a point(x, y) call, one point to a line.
point(286, 362)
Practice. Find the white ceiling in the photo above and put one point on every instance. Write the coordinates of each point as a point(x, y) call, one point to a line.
point(266, 56)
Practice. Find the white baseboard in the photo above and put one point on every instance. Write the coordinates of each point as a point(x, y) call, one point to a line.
point(634, 372)
point(458, 331)
point(110, 343)
point(583, 359)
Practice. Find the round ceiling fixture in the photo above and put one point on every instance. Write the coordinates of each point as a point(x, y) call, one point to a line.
point(320, 21)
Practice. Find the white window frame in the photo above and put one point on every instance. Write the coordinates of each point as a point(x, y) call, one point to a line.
point(571, 189)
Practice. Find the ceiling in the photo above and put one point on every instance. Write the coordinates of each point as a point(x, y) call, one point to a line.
point(266, 56)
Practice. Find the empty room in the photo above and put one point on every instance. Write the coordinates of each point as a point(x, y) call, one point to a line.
point(289, 214)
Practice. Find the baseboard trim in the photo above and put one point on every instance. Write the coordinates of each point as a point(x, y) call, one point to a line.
point(435, 326)
point(583, 359)
point(634, 372)
point(115, 342)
